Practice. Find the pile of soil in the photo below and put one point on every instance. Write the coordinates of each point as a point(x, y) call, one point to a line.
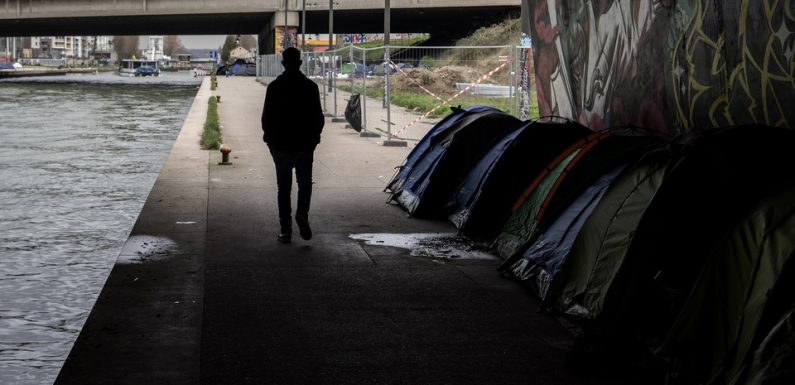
point(440, 81)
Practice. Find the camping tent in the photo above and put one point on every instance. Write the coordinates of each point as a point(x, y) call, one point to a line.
point(724, 173)
point(451, 153)
point(773, 362)
point(715, 331)
point(424, 147)
point(562, 180)
point(542, 260)
point(484, 197)
point(601, 244)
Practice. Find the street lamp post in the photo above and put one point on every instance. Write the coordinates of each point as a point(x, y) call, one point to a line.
point(387, 31)
point(387, 27)
point(330, 38)
point(331, 52)
point(303, 25)
point(285, 39)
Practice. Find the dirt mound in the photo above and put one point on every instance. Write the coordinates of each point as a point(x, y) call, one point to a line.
point(441, 81)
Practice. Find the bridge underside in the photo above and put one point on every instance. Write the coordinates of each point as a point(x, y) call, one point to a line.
point(437, 21)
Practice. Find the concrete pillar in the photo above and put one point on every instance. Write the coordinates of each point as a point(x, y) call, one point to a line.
point(272, 38)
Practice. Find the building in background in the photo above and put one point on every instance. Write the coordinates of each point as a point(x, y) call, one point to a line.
point(242, 53)
point(154, 48)
point(58, 50)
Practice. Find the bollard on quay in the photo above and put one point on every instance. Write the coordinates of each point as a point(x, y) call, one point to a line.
point(225, 150)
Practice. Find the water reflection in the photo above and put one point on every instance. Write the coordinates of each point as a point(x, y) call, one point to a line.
point(79, 155)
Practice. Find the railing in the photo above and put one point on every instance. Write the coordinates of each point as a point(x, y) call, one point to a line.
point(424, 82)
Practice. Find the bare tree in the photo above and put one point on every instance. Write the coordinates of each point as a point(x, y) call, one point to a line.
point(248, 42)
point(172, 45)
point(125, 46)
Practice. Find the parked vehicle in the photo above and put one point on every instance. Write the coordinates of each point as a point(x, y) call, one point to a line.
point(146, 71)
point(129, 67)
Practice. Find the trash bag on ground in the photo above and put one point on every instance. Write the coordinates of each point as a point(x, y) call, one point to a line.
point(353, 113)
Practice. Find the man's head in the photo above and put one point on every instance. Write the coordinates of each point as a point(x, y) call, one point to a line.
point(291, 58)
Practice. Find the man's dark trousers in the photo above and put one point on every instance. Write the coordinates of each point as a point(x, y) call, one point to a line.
point(285, 162)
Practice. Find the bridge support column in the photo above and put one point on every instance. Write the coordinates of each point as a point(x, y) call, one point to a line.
point(273, 38)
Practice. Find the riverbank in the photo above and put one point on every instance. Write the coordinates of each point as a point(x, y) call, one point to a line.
point(49, 71)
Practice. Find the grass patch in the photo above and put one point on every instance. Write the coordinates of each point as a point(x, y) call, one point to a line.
point(506, 32)
point(213, 82)
point(211, 134)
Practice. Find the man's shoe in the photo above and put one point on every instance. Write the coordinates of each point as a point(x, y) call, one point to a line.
point(285, 237)
point(303, 226)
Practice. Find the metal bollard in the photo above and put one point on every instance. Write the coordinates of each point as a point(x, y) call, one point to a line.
point(225, 150)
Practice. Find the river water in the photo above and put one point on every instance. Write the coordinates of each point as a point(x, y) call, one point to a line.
point(78, 157)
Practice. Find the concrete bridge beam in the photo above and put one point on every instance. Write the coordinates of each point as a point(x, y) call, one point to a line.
point(271, 38)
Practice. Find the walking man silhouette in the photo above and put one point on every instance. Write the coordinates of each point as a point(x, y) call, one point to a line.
point(292, 121)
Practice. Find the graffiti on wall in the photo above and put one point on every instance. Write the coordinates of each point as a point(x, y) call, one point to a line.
point(283, 41)
point(665, 65)
point(734, 64)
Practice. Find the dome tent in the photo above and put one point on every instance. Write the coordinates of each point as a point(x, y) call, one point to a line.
point(450, 153)
point(601, 244)
point(483, 199)
point(744, 288)
point(424, 149)
point(712, 184)
point(561, 181)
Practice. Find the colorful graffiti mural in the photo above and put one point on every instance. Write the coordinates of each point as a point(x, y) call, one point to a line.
point(283, 41)
point(667, 65)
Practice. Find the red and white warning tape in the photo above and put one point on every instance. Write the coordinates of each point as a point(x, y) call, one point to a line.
point(447, 102)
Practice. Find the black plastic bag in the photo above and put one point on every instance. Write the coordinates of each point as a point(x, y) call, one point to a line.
point(353, 113)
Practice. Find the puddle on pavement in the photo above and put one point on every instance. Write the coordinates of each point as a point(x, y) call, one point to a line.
point(448, 246)
point(147, 248)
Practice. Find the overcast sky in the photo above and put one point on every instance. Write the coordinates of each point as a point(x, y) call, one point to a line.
point(202, 41)
point(193, 41)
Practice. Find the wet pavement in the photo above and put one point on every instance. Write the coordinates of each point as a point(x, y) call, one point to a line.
point(204, 294)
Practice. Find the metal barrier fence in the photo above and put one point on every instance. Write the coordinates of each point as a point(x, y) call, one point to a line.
point(423, 83)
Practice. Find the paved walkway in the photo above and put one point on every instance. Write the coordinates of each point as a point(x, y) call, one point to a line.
point(204, 294)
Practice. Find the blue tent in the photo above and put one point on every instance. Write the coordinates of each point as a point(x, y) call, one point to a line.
point(422, 148)
point(436, 173)
point(542, 260)
point(484, 198)
point(576, 168)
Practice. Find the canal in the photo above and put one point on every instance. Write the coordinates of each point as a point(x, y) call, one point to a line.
point(78, 157)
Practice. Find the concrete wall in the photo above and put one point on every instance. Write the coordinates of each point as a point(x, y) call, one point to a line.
point(669, 65)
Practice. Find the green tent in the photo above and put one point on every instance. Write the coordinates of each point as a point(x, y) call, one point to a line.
point(773, 362)
point(573, 171)
point(580, 286)
point(348, 68)
point(714, 332)
point(522, 225)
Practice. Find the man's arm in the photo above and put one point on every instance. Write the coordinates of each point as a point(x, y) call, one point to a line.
point(266, 115)
point(318, 118)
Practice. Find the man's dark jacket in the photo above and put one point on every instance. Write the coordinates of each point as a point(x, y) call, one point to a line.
point(292, 118)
